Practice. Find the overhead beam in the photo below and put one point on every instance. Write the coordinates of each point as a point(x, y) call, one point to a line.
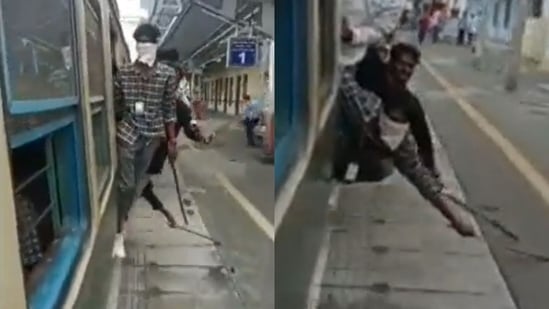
point(222, 35)
point(228, 19)
point(186, 7)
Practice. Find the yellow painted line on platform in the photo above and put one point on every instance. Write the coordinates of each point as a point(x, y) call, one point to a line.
point(248, 207)
point(521, 163)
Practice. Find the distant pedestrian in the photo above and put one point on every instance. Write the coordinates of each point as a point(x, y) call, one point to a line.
point(252, 116)
point(436, 24)
point(424, 23)
point(462, 29)
point(472, 28)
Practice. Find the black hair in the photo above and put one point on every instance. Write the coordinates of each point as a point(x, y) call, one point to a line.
point(171, 58)
point(400, 49)
point(147, 30)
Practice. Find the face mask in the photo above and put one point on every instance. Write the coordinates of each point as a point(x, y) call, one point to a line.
point(67, 57)
point(146, 53)
point(392, 132)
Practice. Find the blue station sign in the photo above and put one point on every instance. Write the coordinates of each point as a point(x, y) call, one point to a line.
point(242, 52)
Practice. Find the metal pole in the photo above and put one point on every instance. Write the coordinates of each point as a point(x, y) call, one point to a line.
point(515, 58)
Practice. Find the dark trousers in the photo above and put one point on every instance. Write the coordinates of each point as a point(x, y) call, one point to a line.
point(461, 37)
point(249, 125)
point(160, 155)
point(421, 35)
point(470, 38)
point(155, 167)
point(436, 34)
point(133, 161)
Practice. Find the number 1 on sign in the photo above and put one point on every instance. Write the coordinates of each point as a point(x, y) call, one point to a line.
point(242, 57)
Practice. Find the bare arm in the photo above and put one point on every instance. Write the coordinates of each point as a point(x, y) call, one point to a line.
point(422, 134)
point(382, 18)
point(409, 164)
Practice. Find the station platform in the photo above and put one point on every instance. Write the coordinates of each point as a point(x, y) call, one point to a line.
point(169, 268)
point(387, 248)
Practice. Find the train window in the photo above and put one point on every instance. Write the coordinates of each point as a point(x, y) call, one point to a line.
point(94, 46)
point(39, 217)
point(38, 55)
point(101, 143)
point(50, 206)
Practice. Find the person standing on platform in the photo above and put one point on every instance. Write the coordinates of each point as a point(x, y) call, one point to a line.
point(145, 92)
point(252, 116)
point(472, 27)
point(462, 29)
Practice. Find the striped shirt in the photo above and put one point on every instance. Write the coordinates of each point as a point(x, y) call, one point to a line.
point(157, 92)
point(362, 108)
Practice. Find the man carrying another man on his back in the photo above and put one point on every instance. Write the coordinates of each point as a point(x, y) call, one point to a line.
point(381, 123)
point(144, 93)
point(184, 122)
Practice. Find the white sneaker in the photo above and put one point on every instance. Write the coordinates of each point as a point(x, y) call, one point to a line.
point(118, 250)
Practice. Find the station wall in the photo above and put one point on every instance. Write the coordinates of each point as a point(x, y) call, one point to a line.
point(223, 88)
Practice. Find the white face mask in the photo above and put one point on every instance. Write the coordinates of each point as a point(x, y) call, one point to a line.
point(146, 53)
point(67, 57)
point(392, 132)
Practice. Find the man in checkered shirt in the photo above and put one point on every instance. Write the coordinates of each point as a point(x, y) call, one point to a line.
point(381, 125)
point(145, 95)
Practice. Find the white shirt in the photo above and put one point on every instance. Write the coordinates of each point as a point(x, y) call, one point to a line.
point(369, 20)
point(472, 25)
point(184, 91)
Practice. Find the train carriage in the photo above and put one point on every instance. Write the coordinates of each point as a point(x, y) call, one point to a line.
point(57, 151)
point(306, 85)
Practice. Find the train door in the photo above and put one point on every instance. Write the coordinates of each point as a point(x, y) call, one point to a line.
point(306, 84)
